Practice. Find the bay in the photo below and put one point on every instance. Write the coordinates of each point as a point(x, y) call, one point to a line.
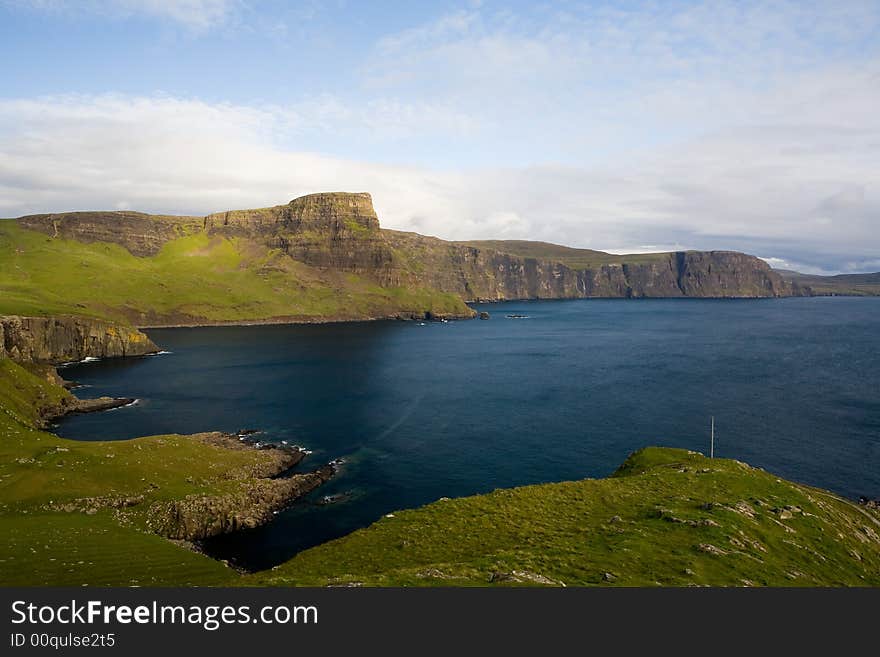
point(423, 411)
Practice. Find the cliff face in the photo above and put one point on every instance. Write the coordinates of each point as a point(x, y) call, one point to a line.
point(64, 339)
point(333, 231)
point(489, 274)
point(340, 232)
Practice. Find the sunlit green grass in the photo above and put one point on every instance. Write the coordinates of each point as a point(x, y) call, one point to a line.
point(196, 278)
point(40, 473)
point(628, 530)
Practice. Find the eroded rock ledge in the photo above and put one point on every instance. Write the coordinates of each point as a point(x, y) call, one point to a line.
point(259, 493)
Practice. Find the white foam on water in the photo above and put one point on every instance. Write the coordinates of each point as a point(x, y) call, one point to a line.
point(131, 403)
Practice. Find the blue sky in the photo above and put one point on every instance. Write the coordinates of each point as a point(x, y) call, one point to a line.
point(624, 126)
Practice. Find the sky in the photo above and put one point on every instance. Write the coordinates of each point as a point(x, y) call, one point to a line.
point(620, 126)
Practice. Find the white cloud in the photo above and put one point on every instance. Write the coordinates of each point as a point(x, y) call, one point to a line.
point(194, 14)
point(808, 189)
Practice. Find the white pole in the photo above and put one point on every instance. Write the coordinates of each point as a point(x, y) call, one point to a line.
point(712, 440)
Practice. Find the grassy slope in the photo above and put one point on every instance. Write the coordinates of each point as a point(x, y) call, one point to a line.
point(858, 285)
point(629, 526)
point(40, 471)
point(570, 257)
point(194, 278)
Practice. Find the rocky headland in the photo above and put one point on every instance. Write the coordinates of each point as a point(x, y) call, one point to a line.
point(258, 493)
point(64, 339)
point(324, 257)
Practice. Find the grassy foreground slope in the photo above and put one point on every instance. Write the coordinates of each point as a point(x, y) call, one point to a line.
point(192, 279)
point(667, 517)
point(64, 514)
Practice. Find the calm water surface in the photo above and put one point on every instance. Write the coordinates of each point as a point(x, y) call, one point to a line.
point(450, 409)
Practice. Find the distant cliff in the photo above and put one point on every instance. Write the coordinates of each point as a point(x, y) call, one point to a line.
point(479, 273)
point(62, 339)
point(324, 256)
point(844, 285)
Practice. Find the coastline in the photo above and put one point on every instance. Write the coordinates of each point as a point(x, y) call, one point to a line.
point(292, 321)
point(415, 317)
point(255, 490)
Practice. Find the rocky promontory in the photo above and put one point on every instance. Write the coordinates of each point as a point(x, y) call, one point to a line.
point(254, 499)
point(64, 339)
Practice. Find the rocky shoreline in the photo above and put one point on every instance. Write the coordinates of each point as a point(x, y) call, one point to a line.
point(257, 492)
point(94, 405)
point(260, 493)
point(427, 316)
point(251, 494)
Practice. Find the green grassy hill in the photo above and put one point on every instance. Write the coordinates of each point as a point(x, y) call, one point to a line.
point(198, 278)
point(64, 518)
point(668, 517)
point(74, 513)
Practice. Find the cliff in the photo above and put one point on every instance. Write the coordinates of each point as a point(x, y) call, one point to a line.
point(64, 339)
point(501, 271)
point(321, 257)
point(846, 285)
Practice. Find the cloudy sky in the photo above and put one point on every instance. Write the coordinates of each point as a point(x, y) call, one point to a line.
point(623, 126)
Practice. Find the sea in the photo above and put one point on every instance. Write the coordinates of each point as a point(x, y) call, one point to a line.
point(543, 391)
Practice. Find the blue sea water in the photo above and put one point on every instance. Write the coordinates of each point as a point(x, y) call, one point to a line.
point(420, 412)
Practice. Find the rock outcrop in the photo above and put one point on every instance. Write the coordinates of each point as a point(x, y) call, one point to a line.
point(197, 517)
point(340, 232)
point(64, 339)
point(97, 404)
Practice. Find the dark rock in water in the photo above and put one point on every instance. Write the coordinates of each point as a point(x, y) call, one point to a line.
point(71, 405)
point(335, 498)
point(246, 432)
point(100, 404)
point(484, 315)
point(868, 502)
